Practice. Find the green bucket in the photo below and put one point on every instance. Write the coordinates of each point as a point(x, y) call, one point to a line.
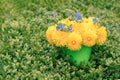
point(78, 56)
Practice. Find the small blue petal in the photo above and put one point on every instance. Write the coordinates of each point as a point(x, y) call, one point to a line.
point(79, 18)
point(77, 14)
point(58, 27)
point(62, 26)
point(94, 20)
point(69, 28)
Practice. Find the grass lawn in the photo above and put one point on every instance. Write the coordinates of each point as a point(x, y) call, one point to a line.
point(25, 53)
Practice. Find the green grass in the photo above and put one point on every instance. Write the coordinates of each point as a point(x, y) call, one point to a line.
point(26, 54)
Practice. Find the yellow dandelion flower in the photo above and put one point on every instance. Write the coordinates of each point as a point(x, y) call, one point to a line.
point(102, 35)
point(89, 23)
point(49, 33)
point(90, 19)
point(84, 19)
point(78, 27)
point(89, 38)
point(91, 26)
point(74, 41)
point(66, 21)
point(59, 38)
point(73, 22)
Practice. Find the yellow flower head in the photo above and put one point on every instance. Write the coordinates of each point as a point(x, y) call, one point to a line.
point(59, 38)
point(49, 33)
point(74, 41)
point(102, 35)
point(89, 38)
point(90, 19)
point(90, 23)
point(66, 21)
point(77, 27)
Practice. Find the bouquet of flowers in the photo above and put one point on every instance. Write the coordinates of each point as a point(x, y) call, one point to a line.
point(77, 36)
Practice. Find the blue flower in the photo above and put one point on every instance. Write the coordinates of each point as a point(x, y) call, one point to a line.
point(69, 28)
point(58, 27)
point(94, 20)
point(62, 26)
point(77, 14)
point(79, 18)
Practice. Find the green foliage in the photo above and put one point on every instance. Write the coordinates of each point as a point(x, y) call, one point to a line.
point(26, 54)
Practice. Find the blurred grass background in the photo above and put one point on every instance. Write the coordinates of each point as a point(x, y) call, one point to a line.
point(26, 54)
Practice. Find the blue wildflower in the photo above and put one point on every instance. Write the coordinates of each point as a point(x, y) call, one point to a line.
point(79, 18)
point(69, 28)
point(62, 26)
point(77, 14)
point(94, 20)
point(58, 27)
